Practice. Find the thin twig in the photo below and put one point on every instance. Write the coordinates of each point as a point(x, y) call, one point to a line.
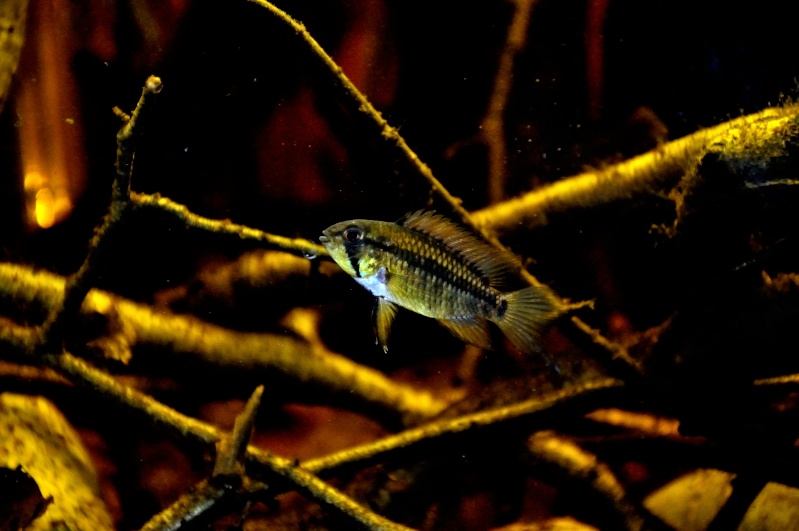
point(296, 246)
point(128, 136)
point(79, 284)
point(492, 127)
point(194, 503)
point(591, 395)
point(231, 448)
point(207, 500)
point(617, 351)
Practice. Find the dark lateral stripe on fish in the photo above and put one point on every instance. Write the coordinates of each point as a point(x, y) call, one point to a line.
point(432, 267)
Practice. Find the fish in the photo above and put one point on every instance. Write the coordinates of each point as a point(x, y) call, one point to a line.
point(429, 265)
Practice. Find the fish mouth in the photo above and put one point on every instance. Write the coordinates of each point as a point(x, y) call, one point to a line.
point(323, 239)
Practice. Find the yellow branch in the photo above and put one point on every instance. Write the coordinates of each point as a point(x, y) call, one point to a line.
point(301, 360)
point(263, 464)
point(297, 246)
point(756, 135)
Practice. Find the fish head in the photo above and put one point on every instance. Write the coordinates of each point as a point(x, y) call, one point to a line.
point(346, 244)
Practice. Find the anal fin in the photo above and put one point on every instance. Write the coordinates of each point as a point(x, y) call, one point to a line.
point(471, 329)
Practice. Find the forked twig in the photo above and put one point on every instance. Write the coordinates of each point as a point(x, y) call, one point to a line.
point(79, 284)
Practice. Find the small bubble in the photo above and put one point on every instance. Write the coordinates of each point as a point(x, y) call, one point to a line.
point(310, 255)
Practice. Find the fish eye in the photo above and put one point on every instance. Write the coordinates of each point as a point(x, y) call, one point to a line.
point(353, 234)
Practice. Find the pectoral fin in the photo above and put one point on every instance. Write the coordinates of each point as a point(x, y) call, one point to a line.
point(384, 315)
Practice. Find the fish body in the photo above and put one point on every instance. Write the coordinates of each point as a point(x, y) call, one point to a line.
point(427, 264)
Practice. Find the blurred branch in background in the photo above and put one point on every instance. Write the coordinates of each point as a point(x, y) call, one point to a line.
point(492, 127)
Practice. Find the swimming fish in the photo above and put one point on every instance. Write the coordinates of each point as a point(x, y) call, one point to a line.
point(429, 265)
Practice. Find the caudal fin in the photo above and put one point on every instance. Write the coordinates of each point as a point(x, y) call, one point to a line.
point(528, 312)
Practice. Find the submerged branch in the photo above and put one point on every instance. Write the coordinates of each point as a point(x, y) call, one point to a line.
point(261, 463)
point(228, 480)
point(588, 396)
point(788, 379)
point(765, 131)
point(231, 448)
point(586, 468)
point(311, 363)
point(492, 128)
point(617, 352)
point(190, 506)
point(296, 246)
point(79, 284)
point(203, 503)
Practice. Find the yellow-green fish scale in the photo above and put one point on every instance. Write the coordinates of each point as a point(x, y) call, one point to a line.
point(425, 276)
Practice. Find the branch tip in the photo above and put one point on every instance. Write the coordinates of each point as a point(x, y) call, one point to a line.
point(122, 115)
point(153, 85)
point(229, 459)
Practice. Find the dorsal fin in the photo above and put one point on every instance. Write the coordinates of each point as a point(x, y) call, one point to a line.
point(496, 265)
